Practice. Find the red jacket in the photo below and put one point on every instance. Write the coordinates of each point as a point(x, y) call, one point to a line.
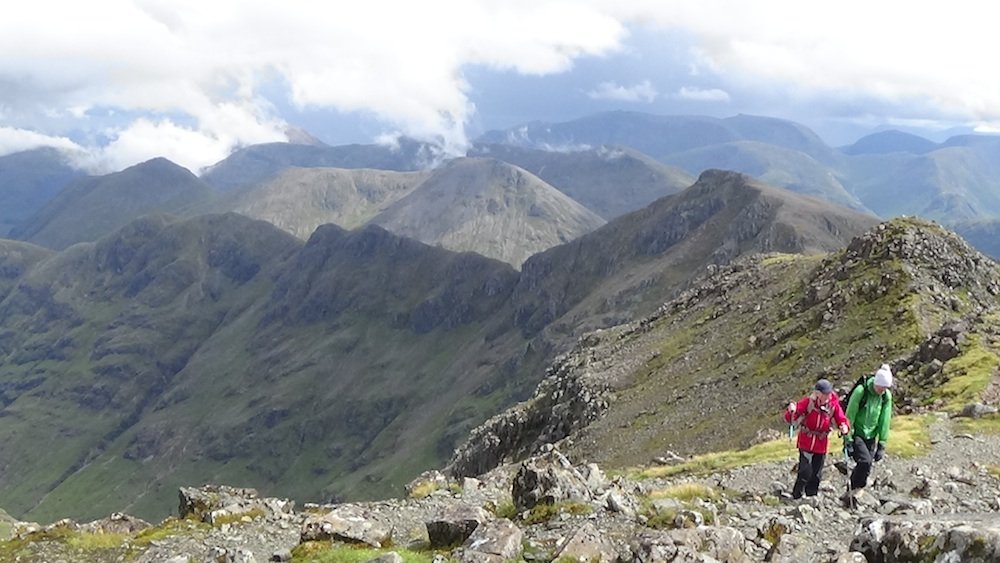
point(815, 424)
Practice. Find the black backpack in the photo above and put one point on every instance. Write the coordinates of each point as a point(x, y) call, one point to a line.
point(864, 393)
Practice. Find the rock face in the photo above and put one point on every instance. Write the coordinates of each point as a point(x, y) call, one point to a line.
point(898, 541)
point(548, 479)
point(348, 524)
point(212, 504)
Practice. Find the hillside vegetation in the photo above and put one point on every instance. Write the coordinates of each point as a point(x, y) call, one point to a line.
point(712, 369)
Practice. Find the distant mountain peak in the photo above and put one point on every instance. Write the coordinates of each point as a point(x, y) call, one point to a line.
point(299, 136)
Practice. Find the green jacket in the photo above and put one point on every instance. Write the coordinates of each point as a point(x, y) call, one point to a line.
point(875, 419)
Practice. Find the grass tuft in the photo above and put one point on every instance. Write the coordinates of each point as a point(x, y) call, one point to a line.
point(968, 375)
point(327, 552)
point(686, 492)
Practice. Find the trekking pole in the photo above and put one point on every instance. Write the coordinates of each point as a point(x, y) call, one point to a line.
point(850, 487)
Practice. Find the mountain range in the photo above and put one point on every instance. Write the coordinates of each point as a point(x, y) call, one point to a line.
point(222, 348)
point(327, 322)
point(889, 173)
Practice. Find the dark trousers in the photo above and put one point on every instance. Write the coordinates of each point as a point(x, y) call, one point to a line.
point(864, 452)
point(809, 474)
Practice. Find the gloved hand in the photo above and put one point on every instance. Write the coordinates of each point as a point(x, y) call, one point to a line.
point(844, 430)
point(849, 448)
point(791, 408)
point(879, 452)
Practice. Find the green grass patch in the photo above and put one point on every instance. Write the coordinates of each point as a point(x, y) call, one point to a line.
point(169, 527)
point(90, 541)
point(326, 552)
point(989, 424)
point(968, 375)
point(252, 514)
point(545, 512)
point(424, 489)
point(775, 450)
point(910, 435)
point(505, 509)
point(665, 518)
point(686, 492)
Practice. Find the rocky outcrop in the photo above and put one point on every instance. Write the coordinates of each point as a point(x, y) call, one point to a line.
point(548, 479)
point(214, 504)
point(348, 524)
point(890, 540)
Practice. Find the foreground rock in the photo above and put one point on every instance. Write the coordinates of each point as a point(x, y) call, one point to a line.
point(895, 540)
point(941, 506)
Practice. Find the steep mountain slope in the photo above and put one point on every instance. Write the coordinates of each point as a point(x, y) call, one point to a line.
point(610, 181)
point(298, 200)
point(793, 170)
point(890, 141)
point(984, 235)
point(93, 207)
point(637, 261)
point(712, 368)
point(29, 180)
point(222, 348)
point(489, 207)
point(951, 184)
point(254, 164)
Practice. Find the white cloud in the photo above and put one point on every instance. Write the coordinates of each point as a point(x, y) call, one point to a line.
point(641, 92)
point(194, 70)
point(703, 95)
point(190, 61)
point(13, 139)
point(894, 50)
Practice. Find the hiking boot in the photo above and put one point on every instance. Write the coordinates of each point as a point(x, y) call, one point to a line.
point(842, 467)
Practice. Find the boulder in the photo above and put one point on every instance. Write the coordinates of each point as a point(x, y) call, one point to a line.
point(117, 523)
point(218, 503)
point(454, 525)
point(496, 537)
point(548, 479)
point(721, 543)
point(345, 523)
point(895, 540)
point(589, 544)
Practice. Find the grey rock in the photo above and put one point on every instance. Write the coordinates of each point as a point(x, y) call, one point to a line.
point(391, 557)
point(346, 523)
point(652, 546)
point(549, 478)
point(618, 501)
point(116, 523)
point(454, 525)
point(976, 410)
point(851, 557)
point(717, 543)
point(589, 544)
point(282, 555)
point(894, 540)
point(792, 548)
point(215, 503)
point(688, 519)
point(497, 537)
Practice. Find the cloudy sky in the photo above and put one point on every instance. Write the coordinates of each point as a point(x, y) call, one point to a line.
point(121, 81)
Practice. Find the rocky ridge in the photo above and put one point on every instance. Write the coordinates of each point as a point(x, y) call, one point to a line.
point(938, 506)
point(906, 291)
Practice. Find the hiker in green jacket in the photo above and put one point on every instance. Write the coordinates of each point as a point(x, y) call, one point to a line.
point(869, 408)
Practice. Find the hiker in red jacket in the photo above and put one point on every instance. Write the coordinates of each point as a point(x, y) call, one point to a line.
point(815, 415)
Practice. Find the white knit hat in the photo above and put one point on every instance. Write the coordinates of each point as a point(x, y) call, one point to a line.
point(883, 377)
